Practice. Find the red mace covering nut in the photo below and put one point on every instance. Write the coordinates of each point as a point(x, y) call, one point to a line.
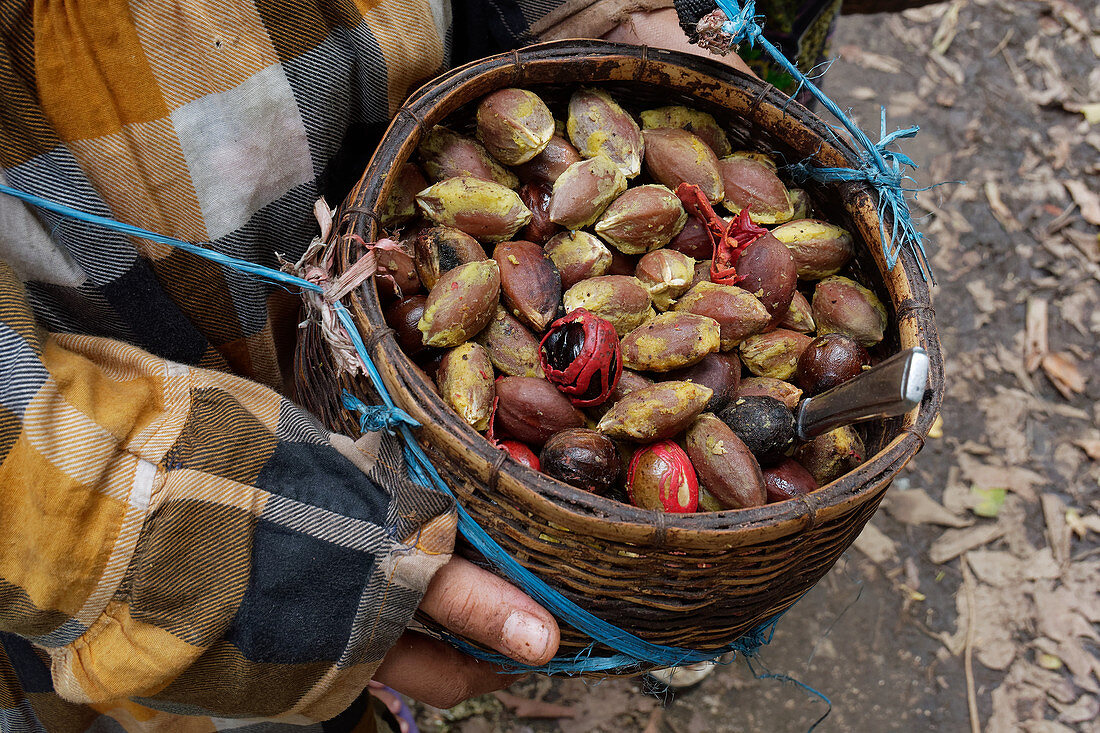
point(581, 356)
point(661, 477)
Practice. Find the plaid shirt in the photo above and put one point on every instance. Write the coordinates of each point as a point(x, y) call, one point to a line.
point(176, 538)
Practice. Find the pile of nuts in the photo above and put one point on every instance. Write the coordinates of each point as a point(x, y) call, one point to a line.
point(590, 312)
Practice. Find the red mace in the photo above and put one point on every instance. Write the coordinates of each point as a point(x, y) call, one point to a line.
point(582, 357)
point(729, 240)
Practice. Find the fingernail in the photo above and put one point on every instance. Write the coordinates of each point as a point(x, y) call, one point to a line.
point(525, 637)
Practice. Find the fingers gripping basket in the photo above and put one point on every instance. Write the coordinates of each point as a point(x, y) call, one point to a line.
point(697, 581)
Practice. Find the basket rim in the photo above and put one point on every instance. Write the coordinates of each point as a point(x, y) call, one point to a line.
point(568, 505)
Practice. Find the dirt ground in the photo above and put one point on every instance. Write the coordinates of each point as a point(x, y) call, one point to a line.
point(981, 572)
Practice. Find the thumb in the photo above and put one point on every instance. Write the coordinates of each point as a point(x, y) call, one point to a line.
point(476, 604)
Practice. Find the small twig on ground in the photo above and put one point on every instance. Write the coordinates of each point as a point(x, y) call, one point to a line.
point(653, 725)
point(968, 661)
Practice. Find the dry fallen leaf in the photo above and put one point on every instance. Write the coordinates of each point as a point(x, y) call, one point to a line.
point(523, 707)
point(1087, 199)
point(955, 542)
point(1062, 371)
point(869, 60)
point(949, 26)
point(1001, 212)
point(879, 548)
point(1035, 342)
point(915, 506)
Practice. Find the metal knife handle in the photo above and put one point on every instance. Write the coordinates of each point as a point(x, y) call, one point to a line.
point(893, 387)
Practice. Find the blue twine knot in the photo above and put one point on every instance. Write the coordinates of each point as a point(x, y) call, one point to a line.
point(373, 418)
point(743, 24)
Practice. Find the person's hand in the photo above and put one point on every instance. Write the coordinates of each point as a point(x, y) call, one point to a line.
point(478, 605)
point(661, 29)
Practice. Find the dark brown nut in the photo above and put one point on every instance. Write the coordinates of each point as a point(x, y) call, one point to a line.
point(739, 313)
point(750, 183)
point(461, 304)
point(779, 389)
point(558, 155)
point(660, 477)
point(536, 197)
point(830, 360)
point(441, 249)
point(583, 191)
point(514, 125)
point(400, 207)
point(693, 240)
point(620, 299)
point(670, 341)
point(765, 425)
point(842, 305)
point(531, 410)
point(674, 156)
point(819, 248)
point(597, 125)
point(578, 256)
point(629, 381)
point(787, 480)
point(642, 219)
point(400, 267)
point(775, 353)
point(702, 273)
point(402, 317)
point(583, 458)
point(799, 316)
point(831, 455)
point(655, 413)
point(512, 348)
point(483, 209)
point(447, 154)
point(465, 379)
point(666, 274)
point(692, 120)
point(623, 264)
point(724, 464)
point(768, 272)
point(529, 283)
point(720, 372)
point(801, 204)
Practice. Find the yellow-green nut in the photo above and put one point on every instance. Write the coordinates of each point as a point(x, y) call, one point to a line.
point(584, 190)
point(654, 413)
point(620, 299)
point(512, 348)
point(578, 256)
point(597, 125)
point(692, 120)
point(461, 304)
point(670, 341)
point(666, 274)
point(751, 183)
point(841, 305)
point(775, 353)
point(465, 380)
point(485, 210)
point(447, 154)
point(642, 219)
point(514, 125)
point(739, 313)
point(819, 248)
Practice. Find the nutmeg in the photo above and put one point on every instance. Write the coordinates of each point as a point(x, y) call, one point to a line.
point(461, 304)
point(768, 271)
point(666, 274)
point(583, 191)
point(465, 380)
point(597, 126)
point(819, 248)
point(739, 313)
point(447, 154)
point(483, 209)
point(724, 464)
point(441, 249)
point(655, 413)
point(674, 156)
point(670, 341)
point(578, 256)
point(530, 285)
point(514, 125)
point(720, 372)
point(774, 353)
point(531, 410)
point(750, 183)
point(693, 120)
point(583, 458)
point(787, 480)
point(660, 477)
point(642, 219)
point(829, 360)
point(620, 299)
point(842, 305)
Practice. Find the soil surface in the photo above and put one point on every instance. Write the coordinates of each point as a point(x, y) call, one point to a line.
point(981, 572)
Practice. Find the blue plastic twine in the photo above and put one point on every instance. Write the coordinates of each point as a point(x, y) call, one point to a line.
point(882, 168)
point(632, 650)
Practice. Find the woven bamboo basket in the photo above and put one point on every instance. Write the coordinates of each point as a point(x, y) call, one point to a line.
point(697, 581)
